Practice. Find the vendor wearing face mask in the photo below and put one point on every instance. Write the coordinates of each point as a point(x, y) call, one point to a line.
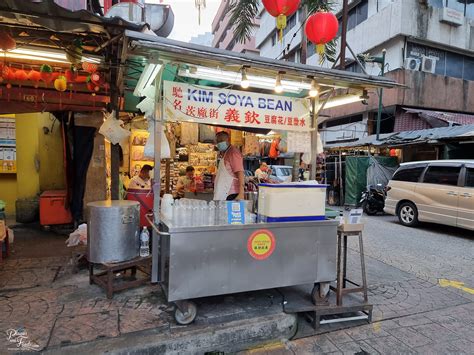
point(229, 183)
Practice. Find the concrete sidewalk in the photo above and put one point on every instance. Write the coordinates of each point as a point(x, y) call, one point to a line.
point(62, 313)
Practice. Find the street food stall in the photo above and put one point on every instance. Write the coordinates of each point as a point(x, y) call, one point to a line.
point(202, 248)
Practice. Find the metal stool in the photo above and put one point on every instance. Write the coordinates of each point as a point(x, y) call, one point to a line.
point(344, 231)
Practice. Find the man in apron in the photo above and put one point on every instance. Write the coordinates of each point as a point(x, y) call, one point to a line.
point(229, 182)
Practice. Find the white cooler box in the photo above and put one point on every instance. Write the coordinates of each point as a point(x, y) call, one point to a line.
point(292, 202)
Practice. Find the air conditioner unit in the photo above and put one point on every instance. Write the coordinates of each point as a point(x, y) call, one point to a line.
point(428, 64)
point(412, 63)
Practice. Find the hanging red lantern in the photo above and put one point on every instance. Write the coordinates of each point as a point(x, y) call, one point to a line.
point(393, 152)
point(281, 9)
point(321, 28)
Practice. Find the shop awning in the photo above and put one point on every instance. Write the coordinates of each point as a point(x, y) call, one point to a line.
point(179, 52)
point(434, 135)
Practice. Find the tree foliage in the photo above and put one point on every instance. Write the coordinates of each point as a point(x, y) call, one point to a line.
point(244, 12)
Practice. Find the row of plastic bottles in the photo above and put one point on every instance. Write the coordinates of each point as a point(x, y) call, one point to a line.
point(189, 212)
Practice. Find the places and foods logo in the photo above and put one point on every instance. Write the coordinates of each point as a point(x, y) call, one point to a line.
point(261, 244)
point(18, 340)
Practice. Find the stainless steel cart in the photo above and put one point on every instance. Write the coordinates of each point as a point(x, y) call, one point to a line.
point(215, 260)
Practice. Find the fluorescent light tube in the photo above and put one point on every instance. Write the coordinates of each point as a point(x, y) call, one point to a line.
point(147, 78)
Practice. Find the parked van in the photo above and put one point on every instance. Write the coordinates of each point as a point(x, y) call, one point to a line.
point(439, 191)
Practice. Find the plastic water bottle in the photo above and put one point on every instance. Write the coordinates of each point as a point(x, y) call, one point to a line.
point(261, 207)
point(211, 216)
point(195, 213)
point(177, 212)
point(144, 242)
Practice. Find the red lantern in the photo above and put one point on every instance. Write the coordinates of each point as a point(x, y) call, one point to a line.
point(281, 9)
point(321, 28)
point(393, 152)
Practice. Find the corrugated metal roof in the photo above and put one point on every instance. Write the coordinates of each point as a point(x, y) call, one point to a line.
point(411, 137)
point(449, 117)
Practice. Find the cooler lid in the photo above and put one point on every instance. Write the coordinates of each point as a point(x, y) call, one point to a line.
point(54, 193)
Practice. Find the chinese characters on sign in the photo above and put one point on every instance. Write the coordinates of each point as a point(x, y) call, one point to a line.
point(184, 102)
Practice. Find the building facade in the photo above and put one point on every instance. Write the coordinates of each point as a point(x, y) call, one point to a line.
point(223, 32)
point(203, 39)
point(429, 47)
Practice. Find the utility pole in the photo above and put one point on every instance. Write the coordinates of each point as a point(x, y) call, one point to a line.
point(379, 112)
point(345, 14)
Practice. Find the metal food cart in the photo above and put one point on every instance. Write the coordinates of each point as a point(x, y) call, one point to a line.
point(215, 260)
point(193, 262)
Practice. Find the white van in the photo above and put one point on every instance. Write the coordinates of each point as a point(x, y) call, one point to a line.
point(439, 191)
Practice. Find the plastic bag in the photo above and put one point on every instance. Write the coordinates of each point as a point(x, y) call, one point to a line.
point(79, 236)
point(149, 152)
point(112, 130)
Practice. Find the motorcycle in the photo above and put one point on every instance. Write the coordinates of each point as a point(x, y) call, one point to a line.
point(373, 199)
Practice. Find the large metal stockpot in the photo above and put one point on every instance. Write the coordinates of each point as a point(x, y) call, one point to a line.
point(113, 231)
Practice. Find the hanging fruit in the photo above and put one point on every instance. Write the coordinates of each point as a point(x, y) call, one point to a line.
point(21, 75)
point(60, 83)
point(7, 42)
point(74, 52)
point(35, 77)
point(3, 72)
point(90, 67)
point(91, 86)
point(97, 79)
point(71, 74)
point(281, 9)
point(46, 73)
point(321, 28)
point(10, 74)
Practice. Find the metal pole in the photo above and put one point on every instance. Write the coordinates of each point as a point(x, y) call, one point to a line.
point(379, 113)
point(158, 120)
point(345, 13)
point(314, 139)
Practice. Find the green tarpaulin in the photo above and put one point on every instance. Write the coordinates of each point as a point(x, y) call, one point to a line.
point(356, 176)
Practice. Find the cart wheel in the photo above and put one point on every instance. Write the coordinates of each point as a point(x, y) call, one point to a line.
point(320, 294)
point(187, 317)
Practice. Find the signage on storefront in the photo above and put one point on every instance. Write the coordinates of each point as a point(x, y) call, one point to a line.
point(225, 107)
point(261, 244)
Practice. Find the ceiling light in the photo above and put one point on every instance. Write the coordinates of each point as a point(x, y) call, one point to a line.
point(43, 55)
point(314, 91)
point(244, 81)
point(235, 78)
point(278, 85)
point(342, 100)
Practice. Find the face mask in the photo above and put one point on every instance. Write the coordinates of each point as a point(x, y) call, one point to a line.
point(222, 146)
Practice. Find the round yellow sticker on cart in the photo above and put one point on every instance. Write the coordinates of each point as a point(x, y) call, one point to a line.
point(261, 244)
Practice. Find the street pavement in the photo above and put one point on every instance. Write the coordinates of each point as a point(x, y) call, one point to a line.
point(421, 282)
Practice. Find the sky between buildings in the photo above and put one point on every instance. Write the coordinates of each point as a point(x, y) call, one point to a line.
point(186, 17)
